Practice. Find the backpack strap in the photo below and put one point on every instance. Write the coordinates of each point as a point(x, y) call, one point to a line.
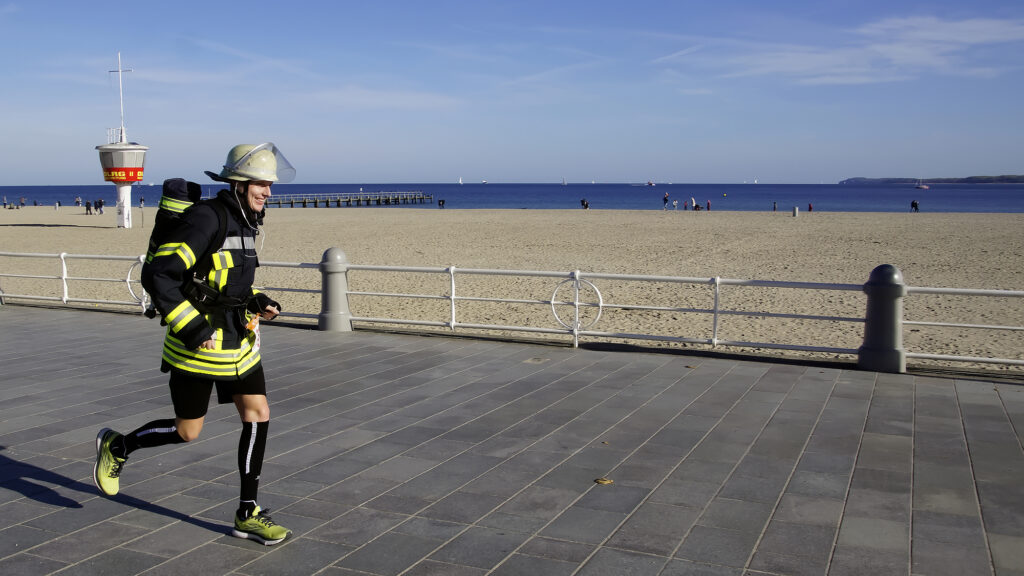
point(205, 263)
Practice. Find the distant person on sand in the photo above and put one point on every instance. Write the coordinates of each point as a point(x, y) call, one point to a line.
point(585, 204)
point(675, 204)
point(664, 202)
point(775, 206)
point(213, 338)
point(142, 201)
point(810, 207)
point(440, 203)
point(914, 206)
point(88, 207)
point(709, 205)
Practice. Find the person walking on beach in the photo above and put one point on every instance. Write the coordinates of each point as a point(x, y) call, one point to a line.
point(914, 206)
point(212, 335)
point(664, 202)
point(88, 207)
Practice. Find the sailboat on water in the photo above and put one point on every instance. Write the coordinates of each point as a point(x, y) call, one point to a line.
point(921, 185)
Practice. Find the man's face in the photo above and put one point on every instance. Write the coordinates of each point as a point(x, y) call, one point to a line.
point(257, 194)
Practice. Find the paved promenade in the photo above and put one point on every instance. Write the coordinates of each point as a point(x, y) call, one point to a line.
point(417, 455)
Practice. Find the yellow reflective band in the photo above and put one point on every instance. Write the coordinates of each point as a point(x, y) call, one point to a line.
point(214, 356)
point(186, 255)
point(173, 205)
point(198, 365)
point(219, 279)
point(223, 355)
point(181, 315)
point(167, 249)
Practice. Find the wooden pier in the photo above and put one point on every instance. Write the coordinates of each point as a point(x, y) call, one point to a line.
point(346, 199)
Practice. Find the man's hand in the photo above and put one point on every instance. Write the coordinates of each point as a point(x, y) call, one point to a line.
point(208, 345)
point(270, 312)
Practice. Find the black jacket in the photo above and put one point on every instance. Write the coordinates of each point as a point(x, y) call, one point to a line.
point(231, 272)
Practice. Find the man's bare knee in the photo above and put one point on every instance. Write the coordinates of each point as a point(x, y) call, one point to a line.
point(189, 430)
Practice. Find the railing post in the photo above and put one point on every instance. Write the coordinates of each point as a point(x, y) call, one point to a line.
point(451, 297)
point(882, 350)
point(576, 309)
point(64, 276)
point(714, 322)
point(334, 312)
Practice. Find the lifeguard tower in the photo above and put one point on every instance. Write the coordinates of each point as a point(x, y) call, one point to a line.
point(122, 161)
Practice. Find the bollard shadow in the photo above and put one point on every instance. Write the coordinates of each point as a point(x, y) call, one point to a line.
point(31, 482)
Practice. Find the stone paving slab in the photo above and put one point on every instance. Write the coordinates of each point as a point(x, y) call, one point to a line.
point(424, 455)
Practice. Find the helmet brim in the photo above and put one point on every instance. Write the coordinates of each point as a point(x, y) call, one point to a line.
point(217, 177)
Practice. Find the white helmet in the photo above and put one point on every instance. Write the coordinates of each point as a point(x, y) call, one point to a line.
point(262, 162)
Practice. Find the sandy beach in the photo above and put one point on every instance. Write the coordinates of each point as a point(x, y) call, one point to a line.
point(932, 250)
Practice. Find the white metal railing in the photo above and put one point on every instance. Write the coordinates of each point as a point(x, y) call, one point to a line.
point(965, 292)
point(139, 297)
point(575, 326)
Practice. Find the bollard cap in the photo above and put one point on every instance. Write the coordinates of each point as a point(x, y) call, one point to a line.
point(334, 256)
point(886, 274)
point(886, 281)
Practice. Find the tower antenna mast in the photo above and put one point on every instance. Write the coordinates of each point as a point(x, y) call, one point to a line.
point(120, 90)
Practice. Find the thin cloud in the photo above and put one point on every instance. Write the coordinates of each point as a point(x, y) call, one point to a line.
point(256, 61)
point(556, 73)
point(677, 55)
point(891, 50)
point(359, 98)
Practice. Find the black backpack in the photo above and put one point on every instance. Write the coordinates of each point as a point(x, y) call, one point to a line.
point(180, 195)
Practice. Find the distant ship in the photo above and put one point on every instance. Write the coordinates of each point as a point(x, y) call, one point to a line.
point(650, 183)
point(921, 185)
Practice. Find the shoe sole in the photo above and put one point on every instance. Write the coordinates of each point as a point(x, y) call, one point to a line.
point(250, 536)
point(96, 466)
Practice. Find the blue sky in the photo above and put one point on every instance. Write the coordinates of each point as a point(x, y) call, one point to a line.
point(531, 91)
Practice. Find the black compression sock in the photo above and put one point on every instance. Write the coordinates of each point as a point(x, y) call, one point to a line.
point(155, 433)
point(251, 445)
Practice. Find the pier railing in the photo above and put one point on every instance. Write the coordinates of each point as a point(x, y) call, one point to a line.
point(578, 307)
point(348, 199)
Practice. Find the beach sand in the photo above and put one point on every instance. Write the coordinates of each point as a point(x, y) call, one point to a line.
point(932, 250)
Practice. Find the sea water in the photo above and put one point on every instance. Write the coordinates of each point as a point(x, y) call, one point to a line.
point(556, 196)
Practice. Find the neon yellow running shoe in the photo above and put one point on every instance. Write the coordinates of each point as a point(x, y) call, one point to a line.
point(108, 467)
point(260, 527)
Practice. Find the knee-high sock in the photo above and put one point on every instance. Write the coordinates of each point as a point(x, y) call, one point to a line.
point(152, 434)
point(251, 445)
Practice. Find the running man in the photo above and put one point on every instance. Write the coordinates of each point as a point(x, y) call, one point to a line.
point(212, 330)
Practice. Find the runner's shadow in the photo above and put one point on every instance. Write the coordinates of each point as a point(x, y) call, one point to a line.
point(30, 481)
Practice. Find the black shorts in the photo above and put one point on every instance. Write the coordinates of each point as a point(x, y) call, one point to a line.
point(191, 395)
